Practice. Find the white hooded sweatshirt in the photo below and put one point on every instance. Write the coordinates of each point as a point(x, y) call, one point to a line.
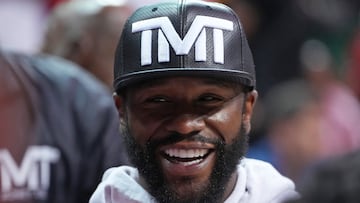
point(258, 182)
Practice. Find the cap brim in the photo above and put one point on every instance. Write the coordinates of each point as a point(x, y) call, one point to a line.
point(234, 76)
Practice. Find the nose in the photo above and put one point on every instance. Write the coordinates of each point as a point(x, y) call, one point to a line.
point(186, 124)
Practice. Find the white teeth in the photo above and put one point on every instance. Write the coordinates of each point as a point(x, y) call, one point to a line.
point(186, 153)
point(191, 162)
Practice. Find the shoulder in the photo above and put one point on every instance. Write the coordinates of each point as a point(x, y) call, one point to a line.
point(262, 179)
point(68, 86)
point(259, 167)
point(46, 74)
point(121, 184)
point(60, 72)
point(121, 172)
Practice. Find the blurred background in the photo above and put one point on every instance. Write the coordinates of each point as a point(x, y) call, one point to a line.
point(306, 52)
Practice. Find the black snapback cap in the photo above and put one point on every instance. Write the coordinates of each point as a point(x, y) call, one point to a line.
point(183, 38)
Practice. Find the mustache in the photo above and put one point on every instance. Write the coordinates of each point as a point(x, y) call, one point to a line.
point(177, 137)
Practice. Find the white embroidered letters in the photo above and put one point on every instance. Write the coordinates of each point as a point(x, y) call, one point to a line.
point(31, 177)
point(168, 35)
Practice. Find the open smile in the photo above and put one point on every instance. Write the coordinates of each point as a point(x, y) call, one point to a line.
point(186, 157)
point(185, 160)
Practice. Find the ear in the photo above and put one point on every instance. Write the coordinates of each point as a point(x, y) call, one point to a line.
point(120, 104)
point(249, 105)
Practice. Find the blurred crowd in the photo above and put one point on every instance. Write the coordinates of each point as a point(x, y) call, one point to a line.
point(307, 65)
point(306, 52)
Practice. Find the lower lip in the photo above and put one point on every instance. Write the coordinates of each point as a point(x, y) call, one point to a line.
point(182, 169)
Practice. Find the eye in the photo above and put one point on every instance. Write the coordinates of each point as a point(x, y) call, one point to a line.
point(157, 99)
point(157, 105)
point(210, 98)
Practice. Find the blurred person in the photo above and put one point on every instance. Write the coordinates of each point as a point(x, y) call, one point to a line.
point(104, 34)
point(314, 119)
point(293, 127)
point(58, 130)
point(332, 180)
point(185, 92)
point(86, 32)
point(339, 107)
point(67, 24)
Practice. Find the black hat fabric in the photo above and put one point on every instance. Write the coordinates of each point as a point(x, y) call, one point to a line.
point(183, 38)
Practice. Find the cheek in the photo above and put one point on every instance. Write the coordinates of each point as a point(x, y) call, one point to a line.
point(227, 121)
point(142, 126)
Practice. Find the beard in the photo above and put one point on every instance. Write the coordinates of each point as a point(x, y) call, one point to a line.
point(227, 158)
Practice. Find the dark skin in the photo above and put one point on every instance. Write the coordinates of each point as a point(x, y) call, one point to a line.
point(187, 106)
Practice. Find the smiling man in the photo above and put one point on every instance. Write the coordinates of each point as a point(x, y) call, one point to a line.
point(185, 92)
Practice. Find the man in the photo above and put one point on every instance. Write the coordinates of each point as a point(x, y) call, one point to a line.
point(86, 32)
point(332, 180)
point(58, 131)
point(184, 82)
point(293, 115)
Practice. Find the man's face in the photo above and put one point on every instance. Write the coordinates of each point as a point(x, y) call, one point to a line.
point(186, 136)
